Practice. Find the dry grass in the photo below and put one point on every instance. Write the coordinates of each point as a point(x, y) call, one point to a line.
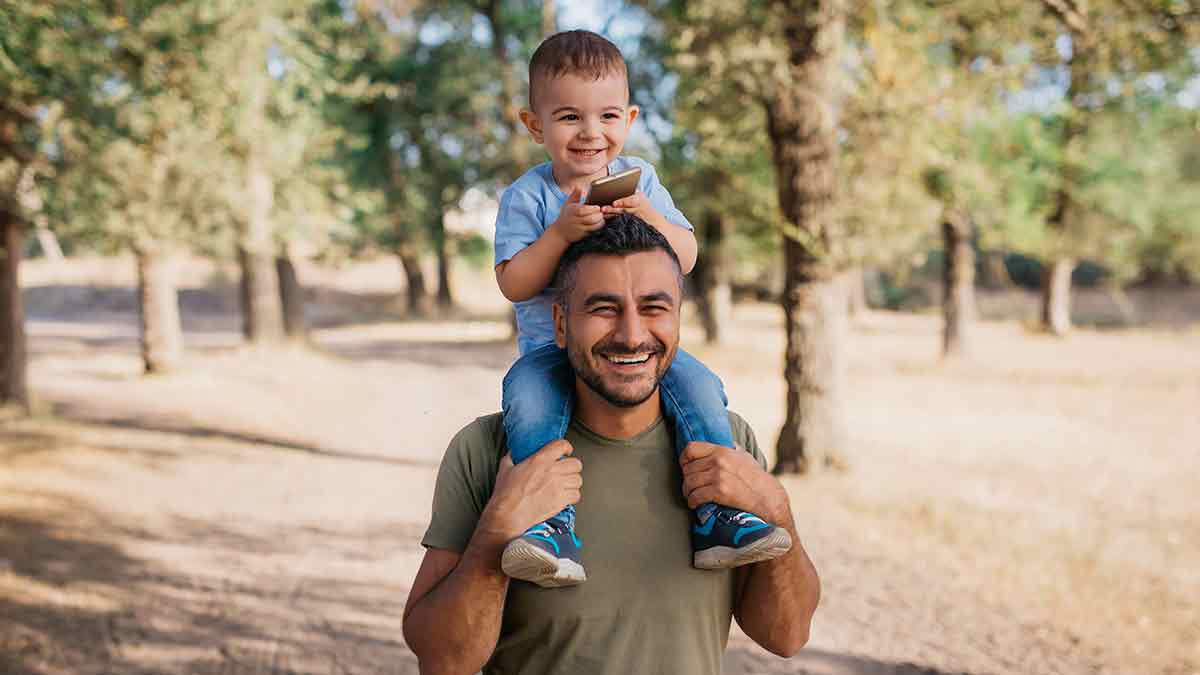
point(1027, 509)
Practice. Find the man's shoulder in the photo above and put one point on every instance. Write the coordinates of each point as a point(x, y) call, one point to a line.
point(478, 446)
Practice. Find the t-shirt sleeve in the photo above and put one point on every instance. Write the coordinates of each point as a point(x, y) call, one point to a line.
point(464, 485)
point(660, 198)
point(743, 435)
point(518, 223)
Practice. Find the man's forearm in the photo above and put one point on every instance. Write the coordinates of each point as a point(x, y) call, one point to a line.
point(455, 627)
point(780, 596)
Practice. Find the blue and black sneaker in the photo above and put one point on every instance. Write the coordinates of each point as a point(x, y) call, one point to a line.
point(547, 555)
point(730, 538)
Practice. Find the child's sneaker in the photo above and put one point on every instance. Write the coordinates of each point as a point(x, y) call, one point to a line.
point(547, 555)
point(730, 538)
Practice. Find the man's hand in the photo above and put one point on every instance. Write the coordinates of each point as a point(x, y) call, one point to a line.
point(576, 220)
point(731, 477)
point(636, 204)
point(532, 491)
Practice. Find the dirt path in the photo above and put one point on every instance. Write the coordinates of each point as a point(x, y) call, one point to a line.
point(1030, 510)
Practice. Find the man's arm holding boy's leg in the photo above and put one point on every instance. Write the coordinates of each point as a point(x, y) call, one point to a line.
point(778, 597)
point(454, 610)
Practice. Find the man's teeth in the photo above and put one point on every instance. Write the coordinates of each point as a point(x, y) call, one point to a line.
point(639, 358)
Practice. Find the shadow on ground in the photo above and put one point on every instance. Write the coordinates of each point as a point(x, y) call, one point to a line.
point(75, 601)
point(740, 659)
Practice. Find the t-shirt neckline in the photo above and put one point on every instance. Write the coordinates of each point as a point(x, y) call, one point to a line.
point(618, 442)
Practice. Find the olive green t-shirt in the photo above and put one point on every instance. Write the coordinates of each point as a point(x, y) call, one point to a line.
point(644, 608)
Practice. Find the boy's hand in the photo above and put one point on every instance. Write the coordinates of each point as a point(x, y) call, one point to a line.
point(576, 220)
point(636, 204)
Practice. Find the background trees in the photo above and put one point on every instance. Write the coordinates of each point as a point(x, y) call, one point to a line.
point(806, 141)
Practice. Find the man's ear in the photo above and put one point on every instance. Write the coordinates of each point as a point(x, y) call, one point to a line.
point(560, 326)
point(632, 113)
point(533, 124)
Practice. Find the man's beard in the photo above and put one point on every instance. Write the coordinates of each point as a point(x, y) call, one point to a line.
point(584, 367)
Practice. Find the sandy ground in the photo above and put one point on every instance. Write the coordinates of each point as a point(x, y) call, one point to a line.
point(1030, 509)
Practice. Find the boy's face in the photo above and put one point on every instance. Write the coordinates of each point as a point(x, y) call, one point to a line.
point(582, 122)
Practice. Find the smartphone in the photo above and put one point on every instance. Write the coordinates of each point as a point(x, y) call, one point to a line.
point(605, 191)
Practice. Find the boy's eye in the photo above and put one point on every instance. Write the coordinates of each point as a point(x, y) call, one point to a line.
point(611, 116)
point(570, 117)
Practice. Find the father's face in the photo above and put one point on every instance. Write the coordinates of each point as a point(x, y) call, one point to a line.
point(621, 324)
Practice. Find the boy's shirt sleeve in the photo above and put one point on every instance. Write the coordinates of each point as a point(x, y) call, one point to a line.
point(518, 223)
point(661, 199)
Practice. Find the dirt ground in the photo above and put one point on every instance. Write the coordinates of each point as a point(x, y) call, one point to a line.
point(1028, 509)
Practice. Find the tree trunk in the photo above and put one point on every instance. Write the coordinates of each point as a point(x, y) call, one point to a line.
point(958, 283)
point(158, 311)
point(856, 291)
point(13, 388)
point(715, 298)
point(445, 299)
point(994, 272)
point(1056, 280)
point(801, 124)
point(1056, 296)
point(262, 311)
point(291, 297)
point(48, 243)
point(549, 18)
point(418, 296)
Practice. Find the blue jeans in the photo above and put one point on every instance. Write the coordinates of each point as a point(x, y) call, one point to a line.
point(539, 392)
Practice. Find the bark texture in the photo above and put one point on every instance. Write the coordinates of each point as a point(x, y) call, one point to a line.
point(158, 312)
point(801, 124)
point(441, 243)
point(262, 311)
point(715, 298)
point(13, 385)
point(1056, 296)
point(958, 284)
point(291, 296)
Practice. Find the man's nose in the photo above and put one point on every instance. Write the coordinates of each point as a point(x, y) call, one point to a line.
point(631, 329)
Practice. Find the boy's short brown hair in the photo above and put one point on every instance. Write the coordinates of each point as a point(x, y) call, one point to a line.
point(574, 52)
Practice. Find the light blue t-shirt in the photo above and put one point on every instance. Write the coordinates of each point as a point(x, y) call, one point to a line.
point(532, 204)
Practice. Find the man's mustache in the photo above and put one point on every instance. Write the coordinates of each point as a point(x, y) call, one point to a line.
point(615, 348)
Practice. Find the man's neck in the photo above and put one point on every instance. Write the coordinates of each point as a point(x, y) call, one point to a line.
point(612, 421)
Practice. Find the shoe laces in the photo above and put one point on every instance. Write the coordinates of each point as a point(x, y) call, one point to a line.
point(739, 517)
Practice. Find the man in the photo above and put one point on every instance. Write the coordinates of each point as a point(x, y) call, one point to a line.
point(644, 608)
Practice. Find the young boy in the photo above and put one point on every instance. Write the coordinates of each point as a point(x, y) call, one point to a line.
point(579, 110)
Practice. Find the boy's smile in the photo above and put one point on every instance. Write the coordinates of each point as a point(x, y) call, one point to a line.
point(583, 123)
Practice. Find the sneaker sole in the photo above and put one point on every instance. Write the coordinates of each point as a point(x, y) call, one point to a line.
point(527, 562)
point(723, 557)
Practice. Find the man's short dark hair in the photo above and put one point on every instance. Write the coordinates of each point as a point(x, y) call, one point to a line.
point(623, 234)
point(574, 52)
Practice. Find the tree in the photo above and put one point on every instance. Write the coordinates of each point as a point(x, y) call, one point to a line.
point(55, 62)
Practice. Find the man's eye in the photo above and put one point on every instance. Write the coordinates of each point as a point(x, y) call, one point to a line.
point(604, 311)
point(654, 309)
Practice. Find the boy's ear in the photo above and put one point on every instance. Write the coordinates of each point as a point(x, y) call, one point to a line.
point(560, 326)
point(533, 124)
point(632, 112)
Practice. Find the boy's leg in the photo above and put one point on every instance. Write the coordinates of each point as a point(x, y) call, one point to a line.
point(722, 537)
point(536, 399)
